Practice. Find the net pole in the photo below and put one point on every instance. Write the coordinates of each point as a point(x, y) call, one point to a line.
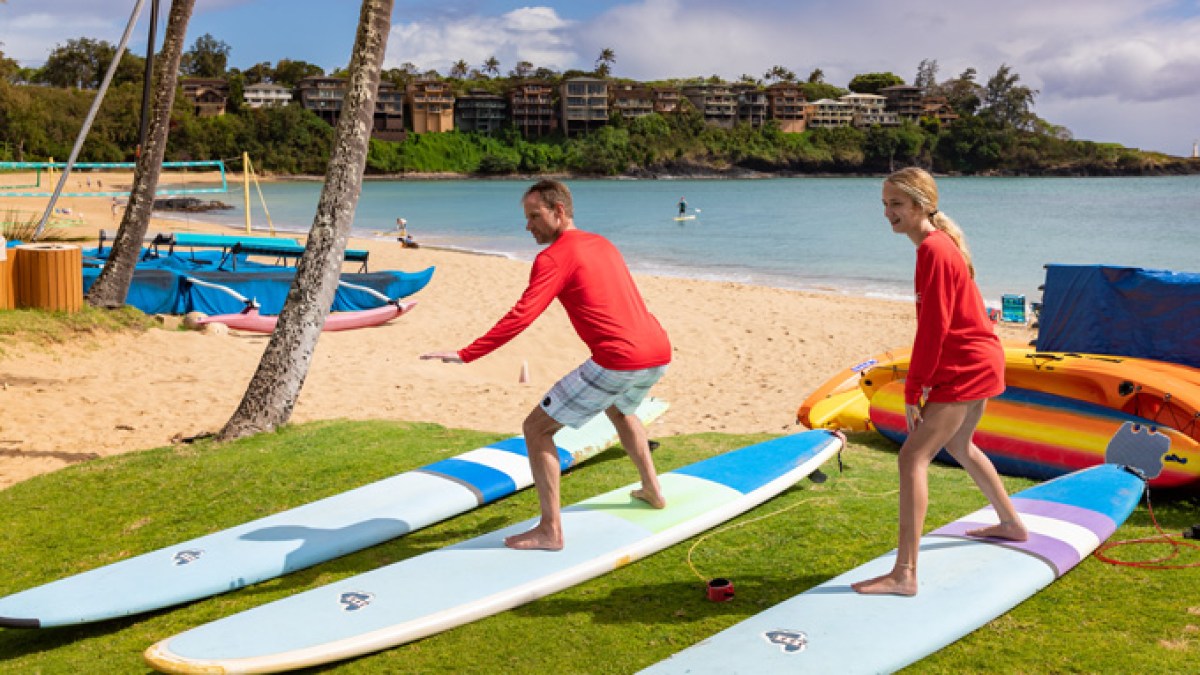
point(144, 127)
point(261, 198)
point(246, 187)
point(91, 116)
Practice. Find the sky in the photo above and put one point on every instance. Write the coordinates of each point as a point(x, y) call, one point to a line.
point(1125, 71)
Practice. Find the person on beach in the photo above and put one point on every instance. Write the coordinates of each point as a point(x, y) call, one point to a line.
point(406, 240)
point(957, 365)
point(682, 206)
point(630, 351)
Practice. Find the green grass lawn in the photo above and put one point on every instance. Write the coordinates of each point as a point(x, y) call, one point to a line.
point(1098, 618)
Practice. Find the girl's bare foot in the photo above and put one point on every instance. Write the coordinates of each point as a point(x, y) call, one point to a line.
point(652, 498)
point(902, 580)
point(1012, 531)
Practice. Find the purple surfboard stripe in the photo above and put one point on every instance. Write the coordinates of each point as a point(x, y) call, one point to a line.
point(1054, 552)
point(1101, 525)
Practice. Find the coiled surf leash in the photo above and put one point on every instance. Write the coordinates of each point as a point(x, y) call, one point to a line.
point(1162, 538)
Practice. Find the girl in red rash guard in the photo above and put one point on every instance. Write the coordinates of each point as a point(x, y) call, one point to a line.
point(957, 364)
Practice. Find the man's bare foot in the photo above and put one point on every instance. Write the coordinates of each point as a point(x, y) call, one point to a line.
point(1012, 531)
point(652, 498)
point(535, 540)
point(900, 581)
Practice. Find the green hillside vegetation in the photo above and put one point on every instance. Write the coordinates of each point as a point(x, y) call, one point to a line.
point(997, 131)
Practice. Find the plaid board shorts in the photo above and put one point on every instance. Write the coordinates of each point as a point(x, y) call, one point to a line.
point(590, 389)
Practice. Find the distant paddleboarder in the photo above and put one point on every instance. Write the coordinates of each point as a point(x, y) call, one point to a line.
point(682, 206)
point(630, 351)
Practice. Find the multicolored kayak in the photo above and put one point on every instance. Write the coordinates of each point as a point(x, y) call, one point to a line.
point(964, 582)
point(1062, 412)
point(840, 403)
point(1035, 435)
point(303, 536)
point(1167, 394)
point(476, 578)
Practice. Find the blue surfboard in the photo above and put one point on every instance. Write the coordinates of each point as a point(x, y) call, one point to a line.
point(304, 536)
point(964, 582)
point(479, 577)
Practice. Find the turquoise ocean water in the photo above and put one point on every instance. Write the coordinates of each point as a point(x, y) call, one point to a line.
point(802, 233)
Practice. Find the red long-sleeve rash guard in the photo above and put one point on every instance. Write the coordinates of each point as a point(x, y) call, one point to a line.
point(588, 275)
point(956, 352)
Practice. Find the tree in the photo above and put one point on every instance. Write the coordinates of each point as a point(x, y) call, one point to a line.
point(779, 74)
point(1007, 103)
point(963, 93)
point(817, 76)
point(288, 73)
point(522, 70)
point(259, 73)
point(815, 91)
point(8, 67)
point(492, 66)
point(926, 79)
point(871, 83)
point(81, 63)
point(605, 61)
point(272, 392)
point(460, 69)
point(112, 285)
point(208, 57)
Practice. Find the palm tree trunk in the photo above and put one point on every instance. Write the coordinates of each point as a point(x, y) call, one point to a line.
point(272, 392)
point(112, 285)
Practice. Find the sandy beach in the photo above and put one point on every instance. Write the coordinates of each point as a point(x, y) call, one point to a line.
point(744, 359)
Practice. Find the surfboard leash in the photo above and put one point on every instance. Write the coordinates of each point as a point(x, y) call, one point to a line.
point(1161, 538)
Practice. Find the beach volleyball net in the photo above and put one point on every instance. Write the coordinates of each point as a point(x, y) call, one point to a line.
point(109, 179)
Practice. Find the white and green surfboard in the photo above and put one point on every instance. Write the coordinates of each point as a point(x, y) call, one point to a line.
point(458, 584)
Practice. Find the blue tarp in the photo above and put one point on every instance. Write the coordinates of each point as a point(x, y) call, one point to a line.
point(160, 285)
point(1123, 311)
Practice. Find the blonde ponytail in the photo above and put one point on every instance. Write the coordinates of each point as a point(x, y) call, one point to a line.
point(946, 224)
point(920, 186)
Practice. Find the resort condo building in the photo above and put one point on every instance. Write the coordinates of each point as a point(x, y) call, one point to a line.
point(480, 110)
point(828, 114)
point(266, 95)
point(870, 110)
point(786, 105)
point(431, 106)
point(715, 101)
point(208, 95)
point(531, 105)
point(631, 101)
point(584, 105)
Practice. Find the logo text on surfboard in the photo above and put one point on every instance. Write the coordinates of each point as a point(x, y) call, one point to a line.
point(190, 555)
point(790, 641)
point(355, 600)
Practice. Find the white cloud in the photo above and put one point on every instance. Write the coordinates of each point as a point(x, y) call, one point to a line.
point(534, 34)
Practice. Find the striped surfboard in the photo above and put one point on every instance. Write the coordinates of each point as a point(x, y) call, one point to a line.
point(965, 582)
point(479, 577)
point(304, 536)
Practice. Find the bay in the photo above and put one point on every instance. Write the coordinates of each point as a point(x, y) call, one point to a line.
point(812, 233)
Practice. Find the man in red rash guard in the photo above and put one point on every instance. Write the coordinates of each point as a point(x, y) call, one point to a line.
point(630, 351)
point(957, 364)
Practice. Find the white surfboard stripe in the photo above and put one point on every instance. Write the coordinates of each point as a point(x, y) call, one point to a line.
point(1077, 537)
point(513, 465)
